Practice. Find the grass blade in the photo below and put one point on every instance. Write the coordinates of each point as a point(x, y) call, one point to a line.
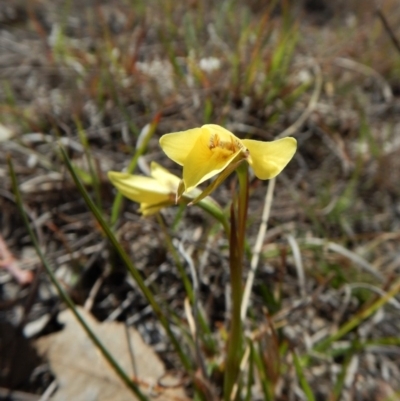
point(64, 295)
point(302, 379)
point(129, 264)
point(359, 318)
point(150, 129)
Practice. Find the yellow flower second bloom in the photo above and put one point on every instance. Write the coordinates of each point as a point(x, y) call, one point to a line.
point(153, 193)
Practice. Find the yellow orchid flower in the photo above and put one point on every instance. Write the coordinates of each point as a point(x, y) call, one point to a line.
point(206, 151)
point(159, 191)
point(153, 193)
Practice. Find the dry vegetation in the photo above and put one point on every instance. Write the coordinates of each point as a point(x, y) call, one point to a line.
point(92, 75)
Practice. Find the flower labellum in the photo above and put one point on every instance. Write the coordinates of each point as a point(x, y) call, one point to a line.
point(206, 151)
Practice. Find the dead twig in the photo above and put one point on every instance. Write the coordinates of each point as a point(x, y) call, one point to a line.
point(299, 264)
point(257, 248)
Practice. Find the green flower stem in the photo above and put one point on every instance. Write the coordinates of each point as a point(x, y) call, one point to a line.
point(215, 211)
point(66, 298)
point(243, 203)
point(236, 253)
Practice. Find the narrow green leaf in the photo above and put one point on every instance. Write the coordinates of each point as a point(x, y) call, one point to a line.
point(302, 379)
point(145, 135)
point(90, 161)
point(64, 295)
point(359, 318)
point(129, 264)
point(340, 382)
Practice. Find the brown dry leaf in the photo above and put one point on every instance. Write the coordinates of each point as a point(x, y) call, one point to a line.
point(83, 374)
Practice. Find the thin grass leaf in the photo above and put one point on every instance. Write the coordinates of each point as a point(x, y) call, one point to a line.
point(129, 264)
point(90, 161)
point(359, 318)
point(293, 96)
point(208, 111)
point(340, 382)
point(261, 371)
point(171, 54)
point(205, 328)
point(367, 136)
point(59, 45)
point(263, 35)
point(178, 217)
point(184, 277)
point(302, 379)
point(143, 141)
point(341, 250)
point(64, 295)
point(86, 177)
point(111, 85)
point(250, 377)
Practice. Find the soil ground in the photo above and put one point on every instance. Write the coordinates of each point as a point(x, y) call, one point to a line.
point(92, 74)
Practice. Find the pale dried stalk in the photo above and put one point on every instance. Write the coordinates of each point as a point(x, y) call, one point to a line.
point(293, 129)
point(257, 248)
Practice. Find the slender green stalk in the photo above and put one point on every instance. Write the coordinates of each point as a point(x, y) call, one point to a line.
point(91, 164)
point(64, 295)
point(216, 212)
point(232, 362)
point(116, 207)
point(261, 371)
point(250, 375)
point(302, 379)
point(236, 253)
point(338, 387)
point(184, 277)
point(243, 201)
point(131, 267)
point(189, 289)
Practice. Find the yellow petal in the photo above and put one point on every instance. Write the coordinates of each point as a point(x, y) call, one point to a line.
point(140, 189)
point(148, 209)
point(268, 159)
point(163, 176)
point(178, 145)
point(210, 155)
